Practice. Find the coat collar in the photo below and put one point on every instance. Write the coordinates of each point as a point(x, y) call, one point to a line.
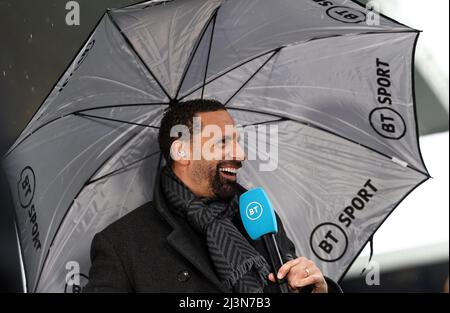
point(185, 240)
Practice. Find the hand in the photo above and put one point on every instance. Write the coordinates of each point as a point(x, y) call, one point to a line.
point(301, 272)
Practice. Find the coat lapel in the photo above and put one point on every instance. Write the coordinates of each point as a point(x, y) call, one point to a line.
point(184, 240)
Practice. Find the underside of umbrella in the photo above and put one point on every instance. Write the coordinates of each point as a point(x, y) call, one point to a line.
point(338, 89)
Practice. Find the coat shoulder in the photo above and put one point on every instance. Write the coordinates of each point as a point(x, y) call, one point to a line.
point(136, 225)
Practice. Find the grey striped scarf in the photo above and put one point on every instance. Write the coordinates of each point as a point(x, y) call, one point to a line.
point(239, 266)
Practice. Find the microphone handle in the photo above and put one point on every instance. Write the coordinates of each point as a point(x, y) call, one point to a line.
point(276, 260)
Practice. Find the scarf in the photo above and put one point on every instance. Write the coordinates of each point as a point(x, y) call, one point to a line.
point(237, 263)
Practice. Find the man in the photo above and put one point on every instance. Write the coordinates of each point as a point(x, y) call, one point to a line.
point(190, 237)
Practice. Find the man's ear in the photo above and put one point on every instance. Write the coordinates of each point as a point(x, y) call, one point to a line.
point(179, 152)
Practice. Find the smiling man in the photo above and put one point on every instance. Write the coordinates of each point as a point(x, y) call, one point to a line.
point(190, 238)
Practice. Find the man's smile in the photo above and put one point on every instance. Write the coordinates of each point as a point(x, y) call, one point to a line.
point(229, 171)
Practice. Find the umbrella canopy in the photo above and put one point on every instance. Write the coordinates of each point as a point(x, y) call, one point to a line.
point(334, 90)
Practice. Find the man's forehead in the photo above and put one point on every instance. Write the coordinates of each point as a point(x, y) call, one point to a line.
point(220, 118)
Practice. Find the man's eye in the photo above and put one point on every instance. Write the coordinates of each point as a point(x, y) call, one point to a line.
point(224, 141)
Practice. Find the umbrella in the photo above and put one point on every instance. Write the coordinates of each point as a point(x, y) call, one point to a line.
point(333, 88)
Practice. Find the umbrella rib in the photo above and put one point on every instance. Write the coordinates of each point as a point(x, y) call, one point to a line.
point(229, 70)
point(119, 106)
point(75, 113)
point(23, 265)
point(265, 122)
point(130, 45)
point(113, 120)
point(191, 59)
point(209, 53)
point(251, 77)
point(325, 130)
point(413, 82)
point(122, 168)
point(131, 6)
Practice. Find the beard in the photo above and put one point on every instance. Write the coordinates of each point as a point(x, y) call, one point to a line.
point(223, 189)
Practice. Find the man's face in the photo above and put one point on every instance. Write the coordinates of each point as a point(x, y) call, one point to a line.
point(214, 168)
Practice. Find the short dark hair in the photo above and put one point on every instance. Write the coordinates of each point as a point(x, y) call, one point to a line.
point(182, 113)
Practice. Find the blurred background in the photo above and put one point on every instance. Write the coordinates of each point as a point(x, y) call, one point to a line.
point(410, 250)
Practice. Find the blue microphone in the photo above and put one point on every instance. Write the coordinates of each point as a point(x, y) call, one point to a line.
point(259, 220)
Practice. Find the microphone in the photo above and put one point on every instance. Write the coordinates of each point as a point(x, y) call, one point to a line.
point(259, 220)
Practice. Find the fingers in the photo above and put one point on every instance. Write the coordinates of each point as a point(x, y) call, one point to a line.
point(271, 277)
point(303, 273)
point(310, 280)
point(282, 272)
point(301, 269)
point(299, 273)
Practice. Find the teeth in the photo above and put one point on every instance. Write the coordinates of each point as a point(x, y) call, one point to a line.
point(229, 170)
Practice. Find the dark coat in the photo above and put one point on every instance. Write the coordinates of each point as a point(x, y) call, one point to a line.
point(152, 250)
